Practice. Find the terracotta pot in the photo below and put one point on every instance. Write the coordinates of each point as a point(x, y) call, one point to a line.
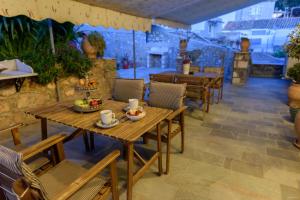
point(88, 49)
point(245, 44)
point(294, 95)
point(183, 44)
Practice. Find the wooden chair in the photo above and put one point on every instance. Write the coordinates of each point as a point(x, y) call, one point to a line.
point(170, 96)
point(165, 78)
point(198, 88)
point(66, 180)
point(219, 83)
point(37, 163)
point(195, 69)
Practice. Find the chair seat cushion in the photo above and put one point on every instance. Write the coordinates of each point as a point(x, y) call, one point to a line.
point(63, 174)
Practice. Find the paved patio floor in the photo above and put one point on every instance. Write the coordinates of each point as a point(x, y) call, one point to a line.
point(241, 151)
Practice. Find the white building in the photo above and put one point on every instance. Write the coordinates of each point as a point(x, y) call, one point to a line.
point(266, 35)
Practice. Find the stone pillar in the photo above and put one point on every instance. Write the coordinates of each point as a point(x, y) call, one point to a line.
point(241, 68)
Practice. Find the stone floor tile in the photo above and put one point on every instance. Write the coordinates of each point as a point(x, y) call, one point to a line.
point(285, 154)
point(244, 167)
point(290, 193)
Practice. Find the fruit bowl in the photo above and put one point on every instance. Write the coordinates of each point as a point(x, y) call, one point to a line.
point(87, 105)
point(137, 115)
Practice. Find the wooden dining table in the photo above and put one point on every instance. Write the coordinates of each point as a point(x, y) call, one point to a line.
point(126, 131)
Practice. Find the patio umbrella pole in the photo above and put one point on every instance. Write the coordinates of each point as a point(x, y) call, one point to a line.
point(53, 51)
point(134, 55)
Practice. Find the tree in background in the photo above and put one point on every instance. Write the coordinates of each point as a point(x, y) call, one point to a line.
point(282, 4)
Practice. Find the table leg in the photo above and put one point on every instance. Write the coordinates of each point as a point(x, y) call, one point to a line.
point(44, 128)
point(129, 170)
point(158, 131)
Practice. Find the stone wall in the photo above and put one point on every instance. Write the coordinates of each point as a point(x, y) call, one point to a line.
point(33, 95)
point(119, 43)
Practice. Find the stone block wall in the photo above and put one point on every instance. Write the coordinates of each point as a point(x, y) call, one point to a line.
point(119, 43)
point(33, 95)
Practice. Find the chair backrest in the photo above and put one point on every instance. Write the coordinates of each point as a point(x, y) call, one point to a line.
point(165, 78)
point(191, 80)
point(125, 89)
point(12, 169)
point(210, 69)
point(166, 95)
point(195, 69)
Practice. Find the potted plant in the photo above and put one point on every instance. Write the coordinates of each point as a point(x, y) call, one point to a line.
point(186, 65)
point(125, 62)
point(293, 51)
point(93, 45)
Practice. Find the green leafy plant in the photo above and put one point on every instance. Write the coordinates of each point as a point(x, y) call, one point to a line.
point(98, 42)
point(293, 47)
point(28, 40)
point(294, 73)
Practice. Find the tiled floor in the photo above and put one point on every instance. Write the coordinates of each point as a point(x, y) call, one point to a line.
point(241, 151)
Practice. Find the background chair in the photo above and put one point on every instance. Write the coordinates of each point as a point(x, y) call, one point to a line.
point(219, 83)
point(170, 96)
point(198, 89)
point(166, 78)
point(64, 181)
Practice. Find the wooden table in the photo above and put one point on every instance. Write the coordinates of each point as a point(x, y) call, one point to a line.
point(127, 131)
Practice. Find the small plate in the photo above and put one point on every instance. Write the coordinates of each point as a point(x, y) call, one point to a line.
point(126, 108)
point(113, 124)
point(136, 118)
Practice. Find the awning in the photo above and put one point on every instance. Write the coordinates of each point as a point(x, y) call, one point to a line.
point(75, 12)
point(130, 15)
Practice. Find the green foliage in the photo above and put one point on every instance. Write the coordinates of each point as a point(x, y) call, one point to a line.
point(28, 40)
point(97, 41)
point(294, 73)
point(282, 4)
point(293, 47)
point(72, 61)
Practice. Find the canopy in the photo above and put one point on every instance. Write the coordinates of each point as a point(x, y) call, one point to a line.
point(127, 14)
point(75, 12)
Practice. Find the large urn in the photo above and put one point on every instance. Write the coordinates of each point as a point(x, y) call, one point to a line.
point(88, 49)
point(294, 95)
point(245, 44)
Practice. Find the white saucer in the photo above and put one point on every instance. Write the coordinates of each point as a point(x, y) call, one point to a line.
point(101, 125)
point(126, 108)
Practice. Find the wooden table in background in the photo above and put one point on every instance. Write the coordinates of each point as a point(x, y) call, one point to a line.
point(127, 131)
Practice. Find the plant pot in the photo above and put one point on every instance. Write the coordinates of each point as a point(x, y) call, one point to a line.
point(294, 95)
point(88, 49)
point(293, 113)
point(245, 44)
point(186, 68)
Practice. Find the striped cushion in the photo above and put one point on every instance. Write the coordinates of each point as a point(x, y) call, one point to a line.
point(166, 95)
point(13, 162)
point(125, 89)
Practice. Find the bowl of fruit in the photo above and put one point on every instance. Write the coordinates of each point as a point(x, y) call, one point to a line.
point(87, 105)
point(135, 115)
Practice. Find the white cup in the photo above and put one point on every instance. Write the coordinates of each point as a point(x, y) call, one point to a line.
point(133, 104)
point(107, 116)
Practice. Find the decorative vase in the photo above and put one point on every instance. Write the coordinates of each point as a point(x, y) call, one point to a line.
point(245, 44)
point(186, 68)
point(88, 49)
point(294, 95)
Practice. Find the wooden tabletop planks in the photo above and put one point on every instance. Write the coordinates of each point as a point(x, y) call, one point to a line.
point(127, 130)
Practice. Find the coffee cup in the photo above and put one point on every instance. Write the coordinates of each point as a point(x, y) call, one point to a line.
point(133, 104)
point(107, 116)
